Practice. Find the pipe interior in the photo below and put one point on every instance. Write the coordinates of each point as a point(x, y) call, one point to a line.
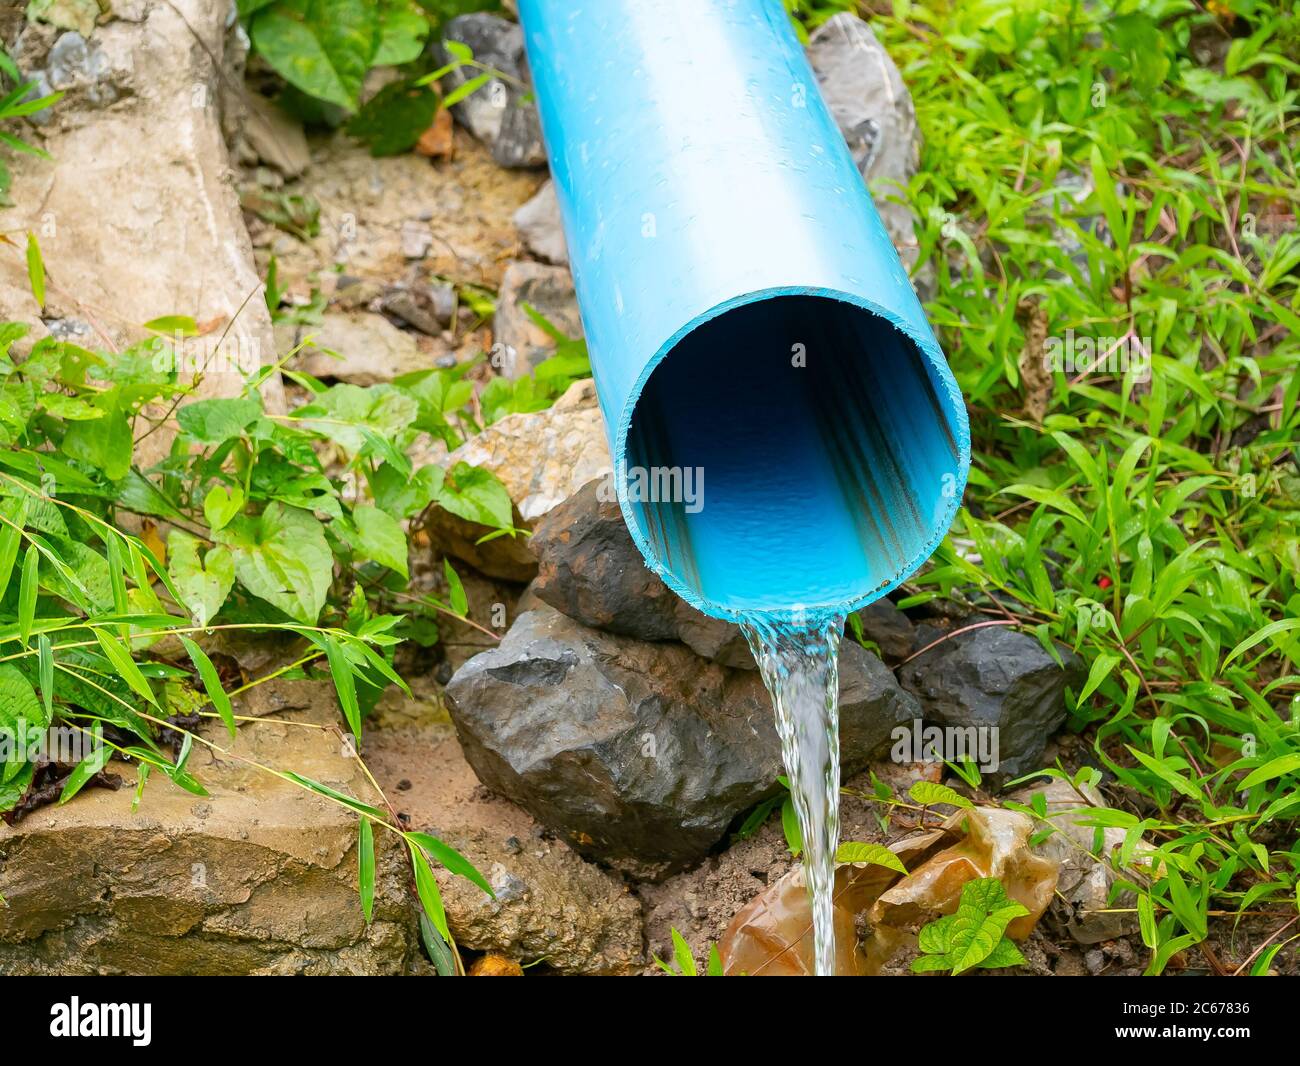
point(826, 459)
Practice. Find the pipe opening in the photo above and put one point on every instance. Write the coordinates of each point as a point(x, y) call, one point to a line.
point(792, 452)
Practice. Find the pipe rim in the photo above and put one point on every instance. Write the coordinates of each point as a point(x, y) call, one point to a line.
point(947, 391)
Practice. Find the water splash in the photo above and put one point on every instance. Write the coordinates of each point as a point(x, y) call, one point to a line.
point(799, 661)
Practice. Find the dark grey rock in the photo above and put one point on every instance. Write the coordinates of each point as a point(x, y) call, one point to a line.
point(589, 569)
point(996, 677)
point(498, 114)
point(889, 628)
point(640, 754)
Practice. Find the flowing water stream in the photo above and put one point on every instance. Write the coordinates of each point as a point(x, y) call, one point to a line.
point(799, 661)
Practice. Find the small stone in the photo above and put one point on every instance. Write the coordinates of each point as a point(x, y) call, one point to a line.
point(416, 240)
point(275, 138)
point(542, 458)
point(1095, 961)
point(540, 226)
point(520, 343)
point(426, 307)
point(371, 347)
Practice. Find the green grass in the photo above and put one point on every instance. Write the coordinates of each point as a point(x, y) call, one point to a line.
point(1087, 172)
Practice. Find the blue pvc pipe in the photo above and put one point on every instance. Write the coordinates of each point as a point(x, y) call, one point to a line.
point(717, 229)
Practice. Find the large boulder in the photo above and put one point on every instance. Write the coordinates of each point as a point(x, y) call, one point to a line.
point(996, 678)
point(640, 754)
point(260, 876)
point(133, 206)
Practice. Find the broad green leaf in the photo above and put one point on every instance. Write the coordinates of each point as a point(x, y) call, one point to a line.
point(27, 592)
point(426, 887)
point(344, 683)
point(84, 771)
point(45, 670)
point(452, 859)
point(876, 854)
point(121, 659)
point(323, 47)
point(380, 537)
point(282, 557)
point(203, 583)
point(982, 917)
point(928, 793)
point(455, 589)
point(22, 715)
point(15, 513)
point(476, 495)
point(334, 794)
point(1274, 768)
point(682, 953)
point(221, 505)
point(215, 421)
point(36, 270)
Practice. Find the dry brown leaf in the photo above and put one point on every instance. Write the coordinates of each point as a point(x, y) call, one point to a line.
point(438, 142)
point(771, 936)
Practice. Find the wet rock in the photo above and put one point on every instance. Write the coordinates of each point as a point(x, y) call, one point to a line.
point(540, 227)
point(640, 754)
point(996, 677)
point(370, 349)
point(273, 137)
point(870, 102)
point(520, 343)
point(589, 569)
point(542, 458)
point(499, 114)
point(889, 629)
point(550, 905)
point(259, 877)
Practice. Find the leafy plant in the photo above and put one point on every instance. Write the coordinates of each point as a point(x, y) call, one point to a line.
point(325, 48)
point(1082, 178)
point(270, 534)
point(685, 959)
point(17, 102)
point(975, 935)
